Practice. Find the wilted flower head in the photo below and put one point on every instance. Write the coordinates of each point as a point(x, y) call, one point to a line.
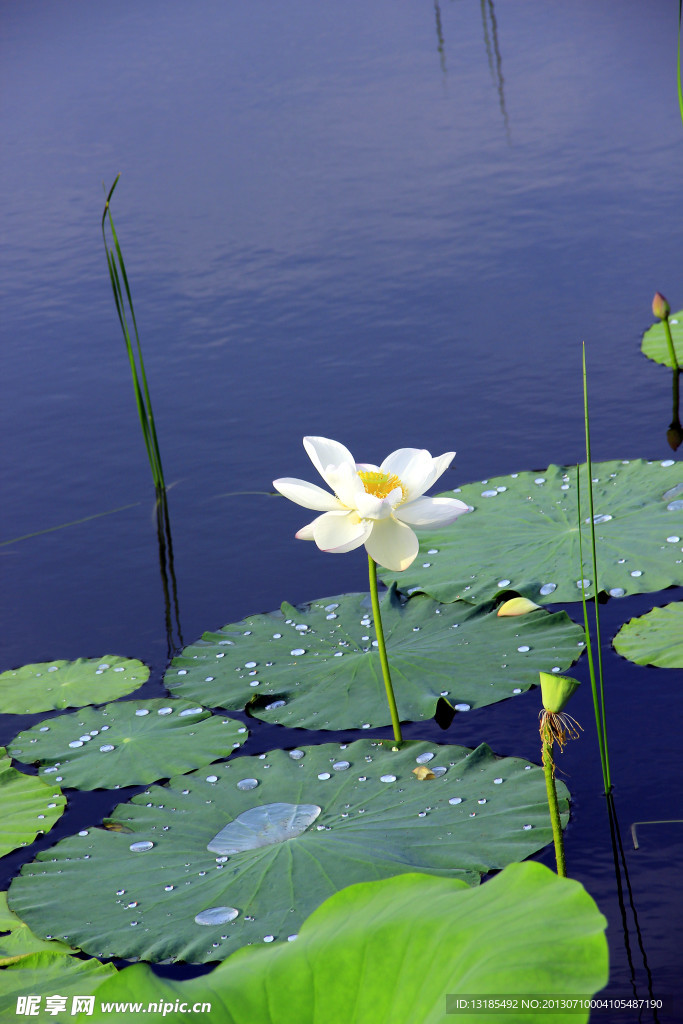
point(372, 505)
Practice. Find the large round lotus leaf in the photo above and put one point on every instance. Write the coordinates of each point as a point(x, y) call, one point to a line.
point(654, 639)
point(354, 813)
point(28, 807)
point(17, 940)
point(655, 345)
point(69, 684)
point(49, 976)
point(523, 535)
point(397, 950)
point(127, 743)
point(317, 666)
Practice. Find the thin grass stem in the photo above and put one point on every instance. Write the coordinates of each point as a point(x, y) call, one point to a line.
point(598, 692)
point(143, 400)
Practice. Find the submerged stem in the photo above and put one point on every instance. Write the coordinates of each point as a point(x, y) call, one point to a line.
point(372, 567)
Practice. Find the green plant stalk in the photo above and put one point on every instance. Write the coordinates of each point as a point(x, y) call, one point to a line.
point(599, 706)
point(393, 710)
point(553, 805)
point(589, 651)
point(142, 396)
point(670, 343)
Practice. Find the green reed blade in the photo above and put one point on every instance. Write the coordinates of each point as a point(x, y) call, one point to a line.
point(589, 645)
point(143, 401)
point(598, 697)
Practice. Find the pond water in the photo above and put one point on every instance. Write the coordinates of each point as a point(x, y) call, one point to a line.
point(388, 224)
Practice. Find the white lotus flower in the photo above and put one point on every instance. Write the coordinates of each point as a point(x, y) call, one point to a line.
point(372, 505)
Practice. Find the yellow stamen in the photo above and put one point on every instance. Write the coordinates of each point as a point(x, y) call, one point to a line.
point(381, 484)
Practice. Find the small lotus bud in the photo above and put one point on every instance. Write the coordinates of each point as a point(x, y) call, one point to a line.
point(660, 307)
point(556, 691)
point(517, 606)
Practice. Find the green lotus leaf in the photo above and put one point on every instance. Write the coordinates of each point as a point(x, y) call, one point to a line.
point(317, 667)
point(17, 940)
point(28, 807)
point(394, 950)
point(655, 345)
point(523, 535)
point(44, 975)
point(69, 684)
point(654, 639)
point(127, 743)
point(301, 826)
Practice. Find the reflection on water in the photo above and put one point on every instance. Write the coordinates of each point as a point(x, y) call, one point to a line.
point(488, 15)
point(674, 434)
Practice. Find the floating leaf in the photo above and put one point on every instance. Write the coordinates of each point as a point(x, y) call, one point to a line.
point(523, 535)
point(655, 638)
point(69, 684)
point(28, 806)
point(139, 895)
point(394, 950)
point(317, 666)
point(655, 345)
point(43, 975)
point(17, 940)
point(127, 743)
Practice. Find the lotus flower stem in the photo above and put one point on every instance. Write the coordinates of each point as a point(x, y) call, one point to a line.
point(549, 772)
point(393, 710)
point(670, 343)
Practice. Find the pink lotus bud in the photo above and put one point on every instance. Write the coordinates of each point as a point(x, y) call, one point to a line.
point(660, 307)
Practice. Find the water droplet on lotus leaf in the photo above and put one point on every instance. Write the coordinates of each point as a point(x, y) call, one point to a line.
point(548, 588)
point(462, 707)
point(455, 800)
point(106, 747)
point(246, 784)
point(190, 711)
point(216, 915)
point(617, 592)
point(140, 847)
point(424, 758)
point(387, 778)
point(297, 652)
point(503, 583)
point(341, 766)
point(264, 826)
point(675, 506)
